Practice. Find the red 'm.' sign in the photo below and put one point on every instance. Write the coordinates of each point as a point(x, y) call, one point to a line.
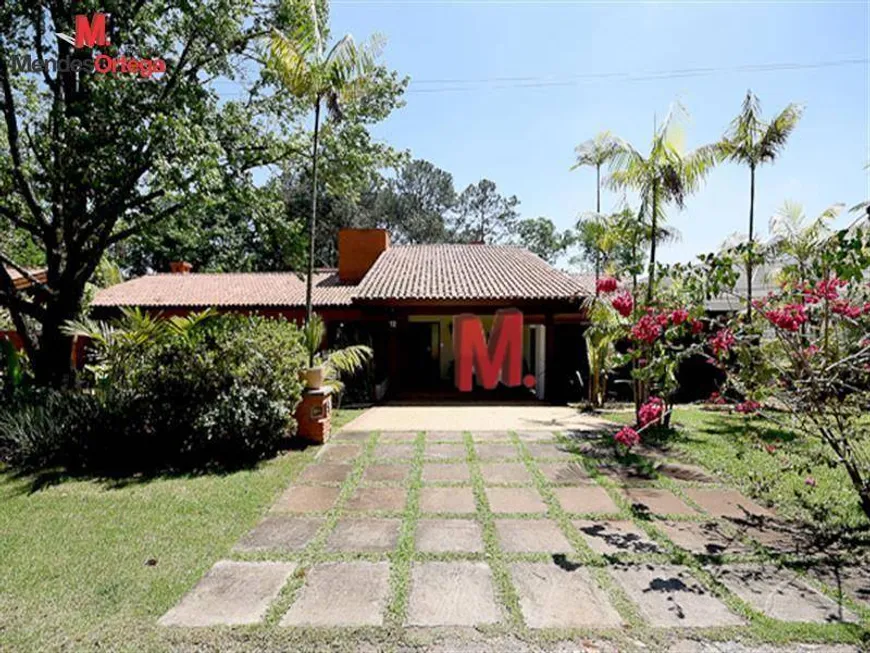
point(499, 360)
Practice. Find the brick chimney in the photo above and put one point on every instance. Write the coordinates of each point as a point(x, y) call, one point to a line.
point(358, 249)
point(180, 267)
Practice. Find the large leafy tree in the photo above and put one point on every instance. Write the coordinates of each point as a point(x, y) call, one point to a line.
point(540, 235)
point(751, 141)
point(321, 77)
point(415, 205)
point(87, 160)
point(666, 175)
point(483, 215)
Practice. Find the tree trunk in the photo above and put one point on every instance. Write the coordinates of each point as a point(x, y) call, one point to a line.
point(652, 250)
point(598, 213)
point(751, 240)
point(312, 224)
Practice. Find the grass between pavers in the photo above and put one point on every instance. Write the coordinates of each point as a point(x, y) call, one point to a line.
point(144, 634)
point(73, 556)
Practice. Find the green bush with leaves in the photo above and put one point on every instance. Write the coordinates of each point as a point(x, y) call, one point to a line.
point(177, 393)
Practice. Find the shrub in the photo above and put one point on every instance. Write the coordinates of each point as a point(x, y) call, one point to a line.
point(181, 394)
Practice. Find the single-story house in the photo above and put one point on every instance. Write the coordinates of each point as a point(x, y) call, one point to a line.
point(401, 299)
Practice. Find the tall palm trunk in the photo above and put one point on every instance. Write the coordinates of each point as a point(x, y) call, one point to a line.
point(597, 212)
point(751, 241)
point(652, 250)
point(312, 224)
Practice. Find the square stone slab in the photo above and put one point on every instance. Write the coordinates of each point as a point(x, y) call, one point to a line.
point(445, 452)
point(553, 597)
point(452, 594)
point(300, 498)
point(386, 474)
point(572, 473)
point(669, 596)
point(551, 451)
point(683, 472)
point(495, 451)
point(325, 473)
point(780, 594)
point(445, 436)
point(514, 500)
point(404, 437)
point(342, 594)
point(446, 473)
point(231, 593)
point(609, 537)
point(590, 499)
point(494, 473)
point(536, 436)
point(706, 538)
point(394, 452)
point(531, 536)
point(377, 498)
point(364, 535)
point(351, 436)
point(447, 499)
point(449, 536)
point(491, 436)
point(726, 503)
point(280, 533)
point(659, 502)
point(339, 453)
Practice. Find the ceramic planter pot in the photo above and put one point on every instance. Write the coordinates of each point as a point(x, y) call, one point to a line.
point(313, 377)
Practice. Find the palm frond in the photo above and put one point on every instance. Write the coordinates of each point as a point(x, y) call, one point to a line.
point(350, 360)
point(289, 59)
point(596, 151)
point(775, 135)
point(313, 333)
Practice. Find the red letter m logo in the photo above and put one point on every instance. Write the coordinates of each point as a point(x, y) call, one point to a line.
point(91, 33)
point(499, 360)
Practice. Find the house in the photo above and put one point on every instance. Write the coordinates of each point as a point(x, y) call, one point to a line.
point(401, 299)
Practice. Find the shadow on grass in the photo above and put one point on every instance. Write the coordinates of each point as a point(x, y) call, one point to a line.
point(30, 481)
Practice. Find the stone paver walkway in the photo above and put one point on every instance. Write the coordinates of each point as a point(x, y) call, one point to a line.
point(507, 528)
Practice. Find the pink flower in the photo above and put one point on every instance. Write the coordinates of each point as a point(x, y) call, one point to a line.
point(623, 303)
point(788, 318)
point(697, 327)
point(651, 412)
point(716, 398)
point(627, 437)
point(722, 342)
point(809, 480)
point(748, 407)
point(679, 316)
point(606, 284)
point(811, 351)
point(844, 308)
point(647, 329)
point(770, 449)
point(829, 288)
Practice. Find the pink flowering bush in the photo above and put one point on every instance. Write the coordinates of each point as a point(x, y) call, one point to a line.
point(804, 358)
point(606, 285)
point(722, 342)
point(627, 437)
point(651, 412)
point(623, 303)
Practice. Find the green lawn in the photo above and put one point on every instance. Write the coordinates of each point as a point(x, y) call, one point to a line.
point(74, 555)
point(767, 463)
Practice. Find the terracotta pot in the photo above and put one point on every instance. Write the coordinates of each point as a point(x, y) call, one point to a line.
point(313, 377)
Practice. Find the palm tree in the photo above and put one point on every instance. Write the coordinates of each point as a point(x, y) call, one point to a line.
point(665, 175)
point(319, 77)
point(596, 152)
point(795, 241)
point(752, 141)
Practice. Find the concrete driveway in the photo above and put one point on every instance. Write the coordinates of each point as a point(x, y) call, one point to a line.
point(475, 418)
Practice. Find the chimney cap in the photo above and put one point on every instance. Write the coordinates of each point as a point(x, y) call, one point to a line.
point(180, 267)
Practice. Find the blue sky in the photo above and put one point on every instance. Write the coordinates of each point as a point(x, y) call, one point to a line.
point(523, 137)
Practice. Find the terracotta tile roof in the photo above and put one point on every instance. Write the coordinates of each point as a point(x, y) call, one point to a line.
point(21, 281)
point(465, 272)
point(284, 289)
